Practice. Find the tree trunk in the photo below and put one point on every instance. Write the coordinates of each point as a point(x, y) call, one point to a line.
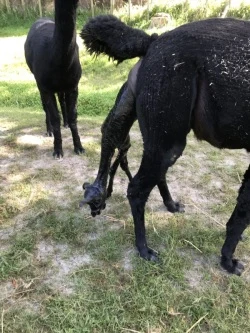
point(40, 8)
point(92, 8)
point(129, 10)
point(112, 6)
point(7, 5)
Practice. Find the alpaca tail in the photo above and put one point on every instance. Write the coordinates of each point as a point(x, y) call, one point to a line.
point(107, 34)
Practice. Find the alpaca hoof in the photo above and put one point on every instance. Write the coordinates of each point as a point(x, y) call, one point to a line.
point(233, 266)
point(109, 192)
point(148, 254)
point(58, 154)
point(243, 238)
point(174, 206)
point(49, 133)
point(79, 150)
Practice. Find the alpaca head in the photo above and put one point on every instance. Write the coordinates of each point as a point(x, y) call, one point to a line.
point(95, 197)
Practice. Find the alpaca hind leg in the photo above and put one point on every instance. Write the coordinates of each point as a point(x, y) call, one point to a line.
point(236, 225)
point(114, 132)
point(61, 98)
point(121, 160)
point(49, 101)
point(71, 100)
point(172, 206)
point(153, 165)
point(49, 130)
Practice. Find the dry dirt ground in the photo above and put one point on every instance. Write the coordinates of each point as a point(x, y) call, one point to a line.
point(203, 179)
point(33, 184)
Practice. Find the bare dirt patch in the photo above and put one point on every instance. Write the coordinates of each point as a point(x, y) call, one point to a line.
point(31, 174)
point(61, 265)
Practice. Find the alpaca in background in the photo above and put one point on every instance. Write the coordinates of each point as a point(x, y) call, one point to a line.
point(195, 77)
point(51, 53)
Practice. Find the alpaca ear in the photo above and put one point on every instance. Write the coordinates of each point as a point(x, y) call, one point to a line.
point(88, 197)
point(83, 202)
point(85, 185)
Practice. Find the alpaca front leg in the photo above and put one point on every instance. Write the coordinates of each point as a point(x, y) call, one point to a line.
point(71, 101)
point(49, 101)
point(236, 226)
point(61, 98)
point(49, 130)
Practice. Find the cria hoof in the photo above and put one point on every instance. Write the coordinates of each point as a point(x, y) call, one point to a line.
point(174, 207)
point(233, 266)
point(149, 254)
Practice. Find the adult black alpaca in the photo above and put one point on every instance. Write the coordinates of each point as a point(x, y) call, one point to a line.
point(51, 53)
point(193, 77)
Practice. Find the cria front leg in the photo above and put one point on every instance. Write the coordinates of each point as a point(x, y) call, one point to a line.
point(121, 160)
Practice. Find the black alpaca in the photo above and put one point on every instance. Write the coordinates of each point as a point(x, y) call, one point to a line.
point(122, 106)
point(194, 77)
point(52, 55)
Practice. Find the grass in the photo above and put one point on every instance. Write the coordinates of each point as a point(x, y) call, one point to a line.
point(63, 271)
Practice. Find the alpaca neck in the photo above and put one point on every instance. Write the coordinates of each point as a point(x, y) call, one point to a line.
point(64, 39)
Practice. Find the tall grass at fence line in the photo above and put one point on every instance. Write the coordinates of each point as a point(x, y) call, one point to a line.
point(16, 20)
point(182, 12)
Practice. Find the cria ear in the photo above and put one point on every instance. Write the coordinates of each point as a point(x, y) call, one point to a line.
point(85, 185)
point(88, 197)
point(82, 203)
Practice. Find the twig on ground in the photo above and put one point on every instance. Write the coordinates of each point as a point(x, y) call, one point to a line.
point(187, 241)
point(206, 214)
point(2, 321)
point(196, 323)
point(130, 330)
point(240, 180)
point(114, 219)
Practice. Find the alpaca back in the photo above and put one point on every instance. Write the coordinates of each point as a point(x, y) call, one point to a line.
point(51, 51)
